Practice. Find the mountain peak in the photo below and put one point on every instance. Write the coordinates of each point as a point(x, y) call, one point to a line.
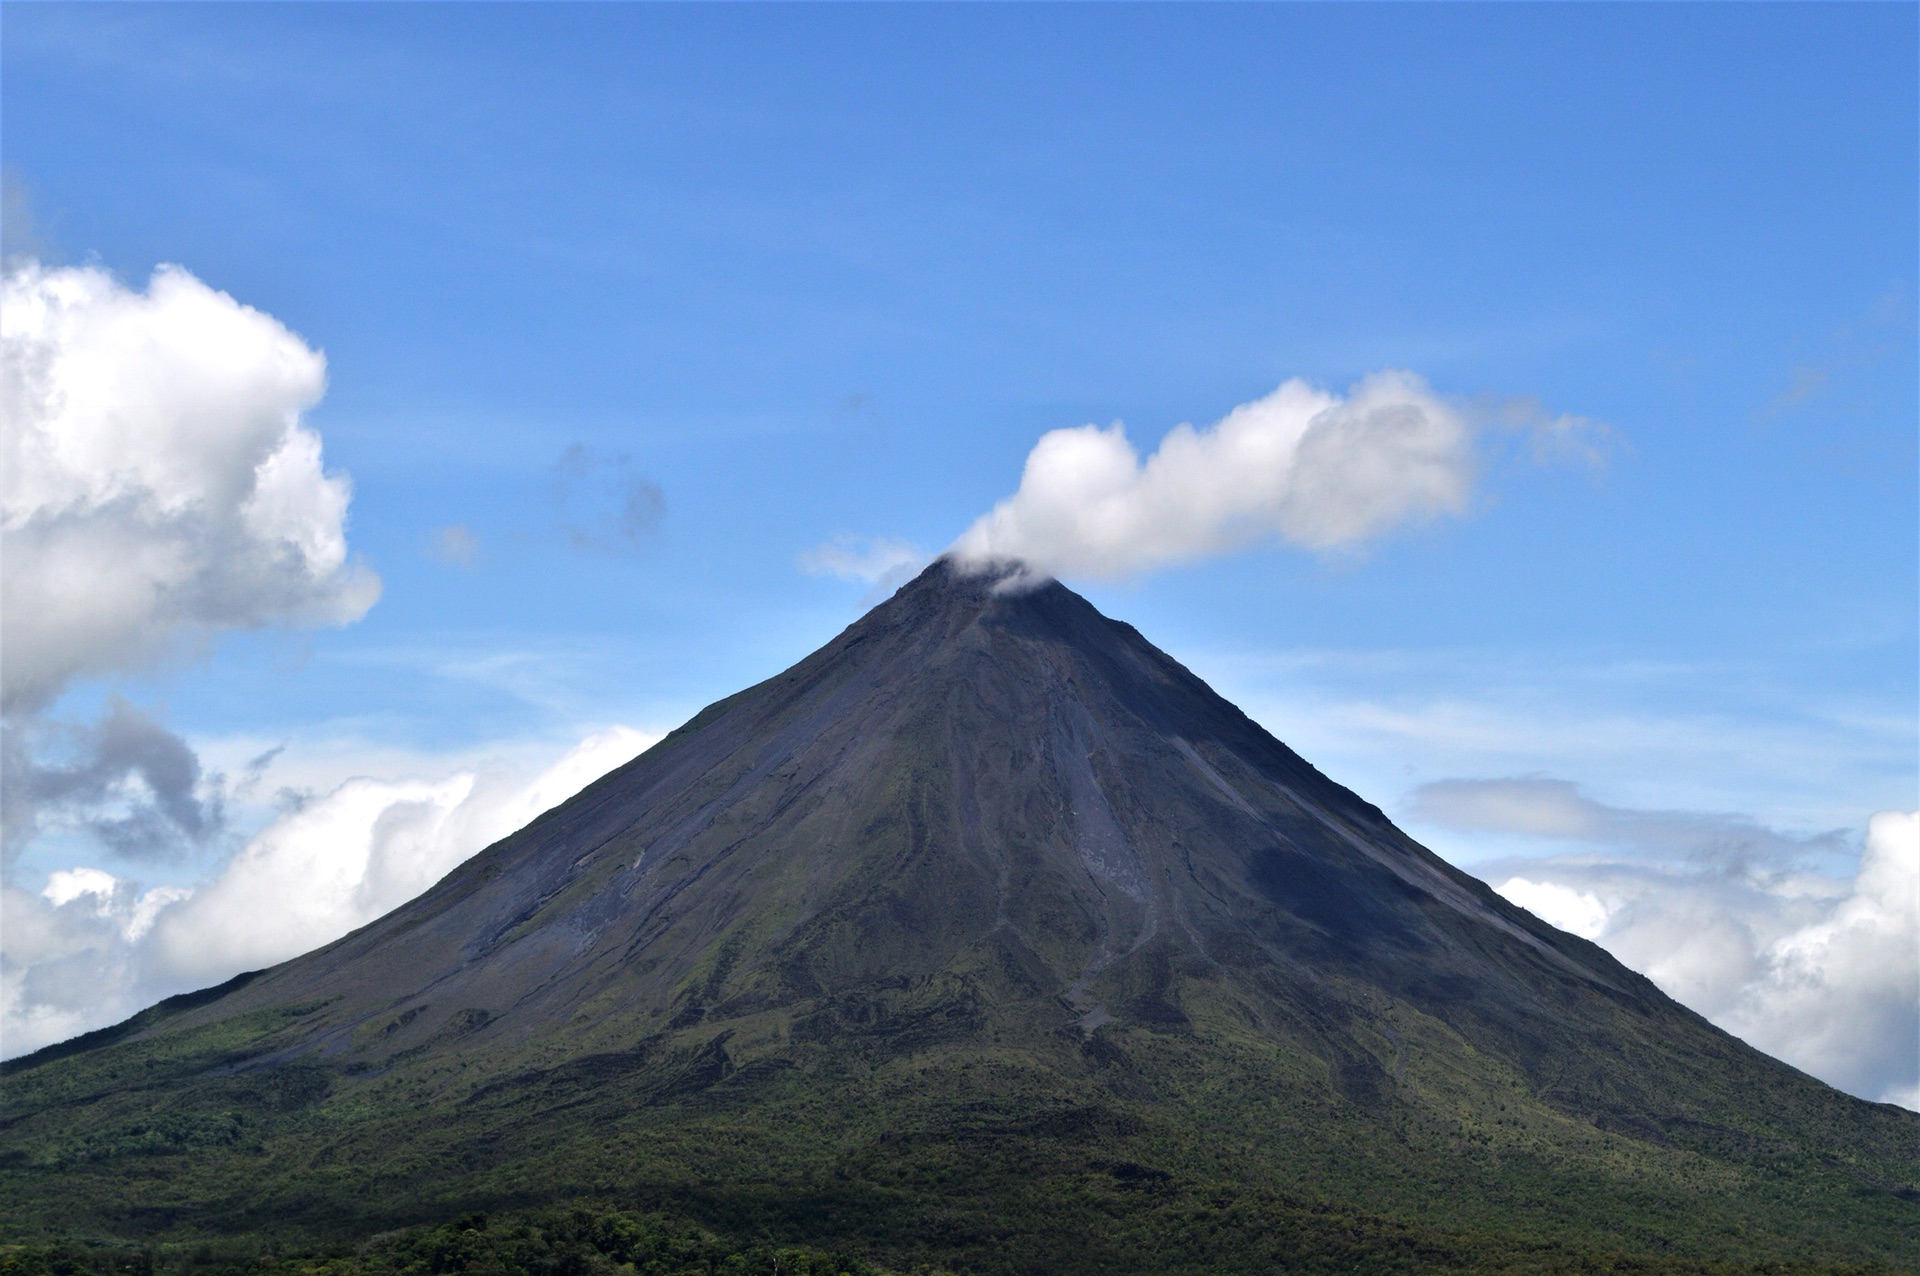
point(950, 587)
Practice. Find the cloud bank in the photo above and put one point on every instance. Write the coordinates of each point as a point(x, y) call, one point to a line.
point(92, 948)
point(1821, 969)
point(1315, 469)
point(157, 486)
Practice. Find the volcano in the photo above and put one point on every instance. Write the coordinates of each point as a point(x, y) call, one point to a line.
point(989, 936)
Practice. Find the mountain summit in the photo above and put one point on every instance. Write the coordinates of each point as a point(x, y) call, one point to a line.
point(985, 901)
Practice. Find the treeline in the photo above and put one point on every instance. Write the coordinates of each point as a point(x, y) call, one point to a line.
point(558, 1243)
point(589, 1242)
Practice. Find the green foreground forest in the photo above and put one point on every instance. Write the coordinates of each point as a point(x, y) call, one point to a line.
point(1237, 1233)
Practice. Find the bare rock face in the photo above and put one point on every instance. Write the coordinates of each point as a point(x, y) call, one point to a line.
point(990, 852)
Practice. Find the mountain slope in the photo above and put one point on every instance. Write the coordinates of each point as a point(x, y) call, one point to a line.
point(982, 900)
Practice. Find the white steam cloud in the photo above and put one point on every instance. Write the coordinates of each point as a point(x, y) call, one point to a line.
point(92, 948)
point(1821, 969)
point(1315, 469)
point(156, 483)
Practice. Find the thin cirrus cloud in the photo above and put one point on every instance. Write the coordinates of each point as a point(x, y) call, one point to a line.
point(1314, 469)
point(1556, 810)
point(92, 947)
point(1731, 918)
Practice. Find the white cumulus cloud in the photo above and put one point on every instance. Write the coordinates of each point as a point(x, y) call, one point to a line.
point(1576, 912)
point(92, 948)
point(1840, 996)
point(156, 484)
point(1314, 468)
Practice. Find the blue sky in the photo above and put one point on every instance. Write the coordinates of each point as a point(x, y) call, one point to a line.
point(805, 271)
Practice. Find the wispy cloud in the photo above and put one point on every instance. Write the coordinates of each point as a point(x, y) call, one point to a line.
point(21, 236)
point(882, 563)
point(1556, 810)
point(1804, 382)
point(555, 681)
point(605, 506)
point(1883, 330)
point(1690, 735)
point(456, 546)
point(1552, 438)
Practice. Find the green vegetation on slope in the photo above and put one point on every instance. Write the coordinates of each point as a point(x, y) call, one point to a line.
point(1129, 1151)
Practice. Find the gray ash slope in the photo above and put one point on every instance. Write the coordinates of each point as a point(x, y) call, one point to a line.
point(988, 862)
